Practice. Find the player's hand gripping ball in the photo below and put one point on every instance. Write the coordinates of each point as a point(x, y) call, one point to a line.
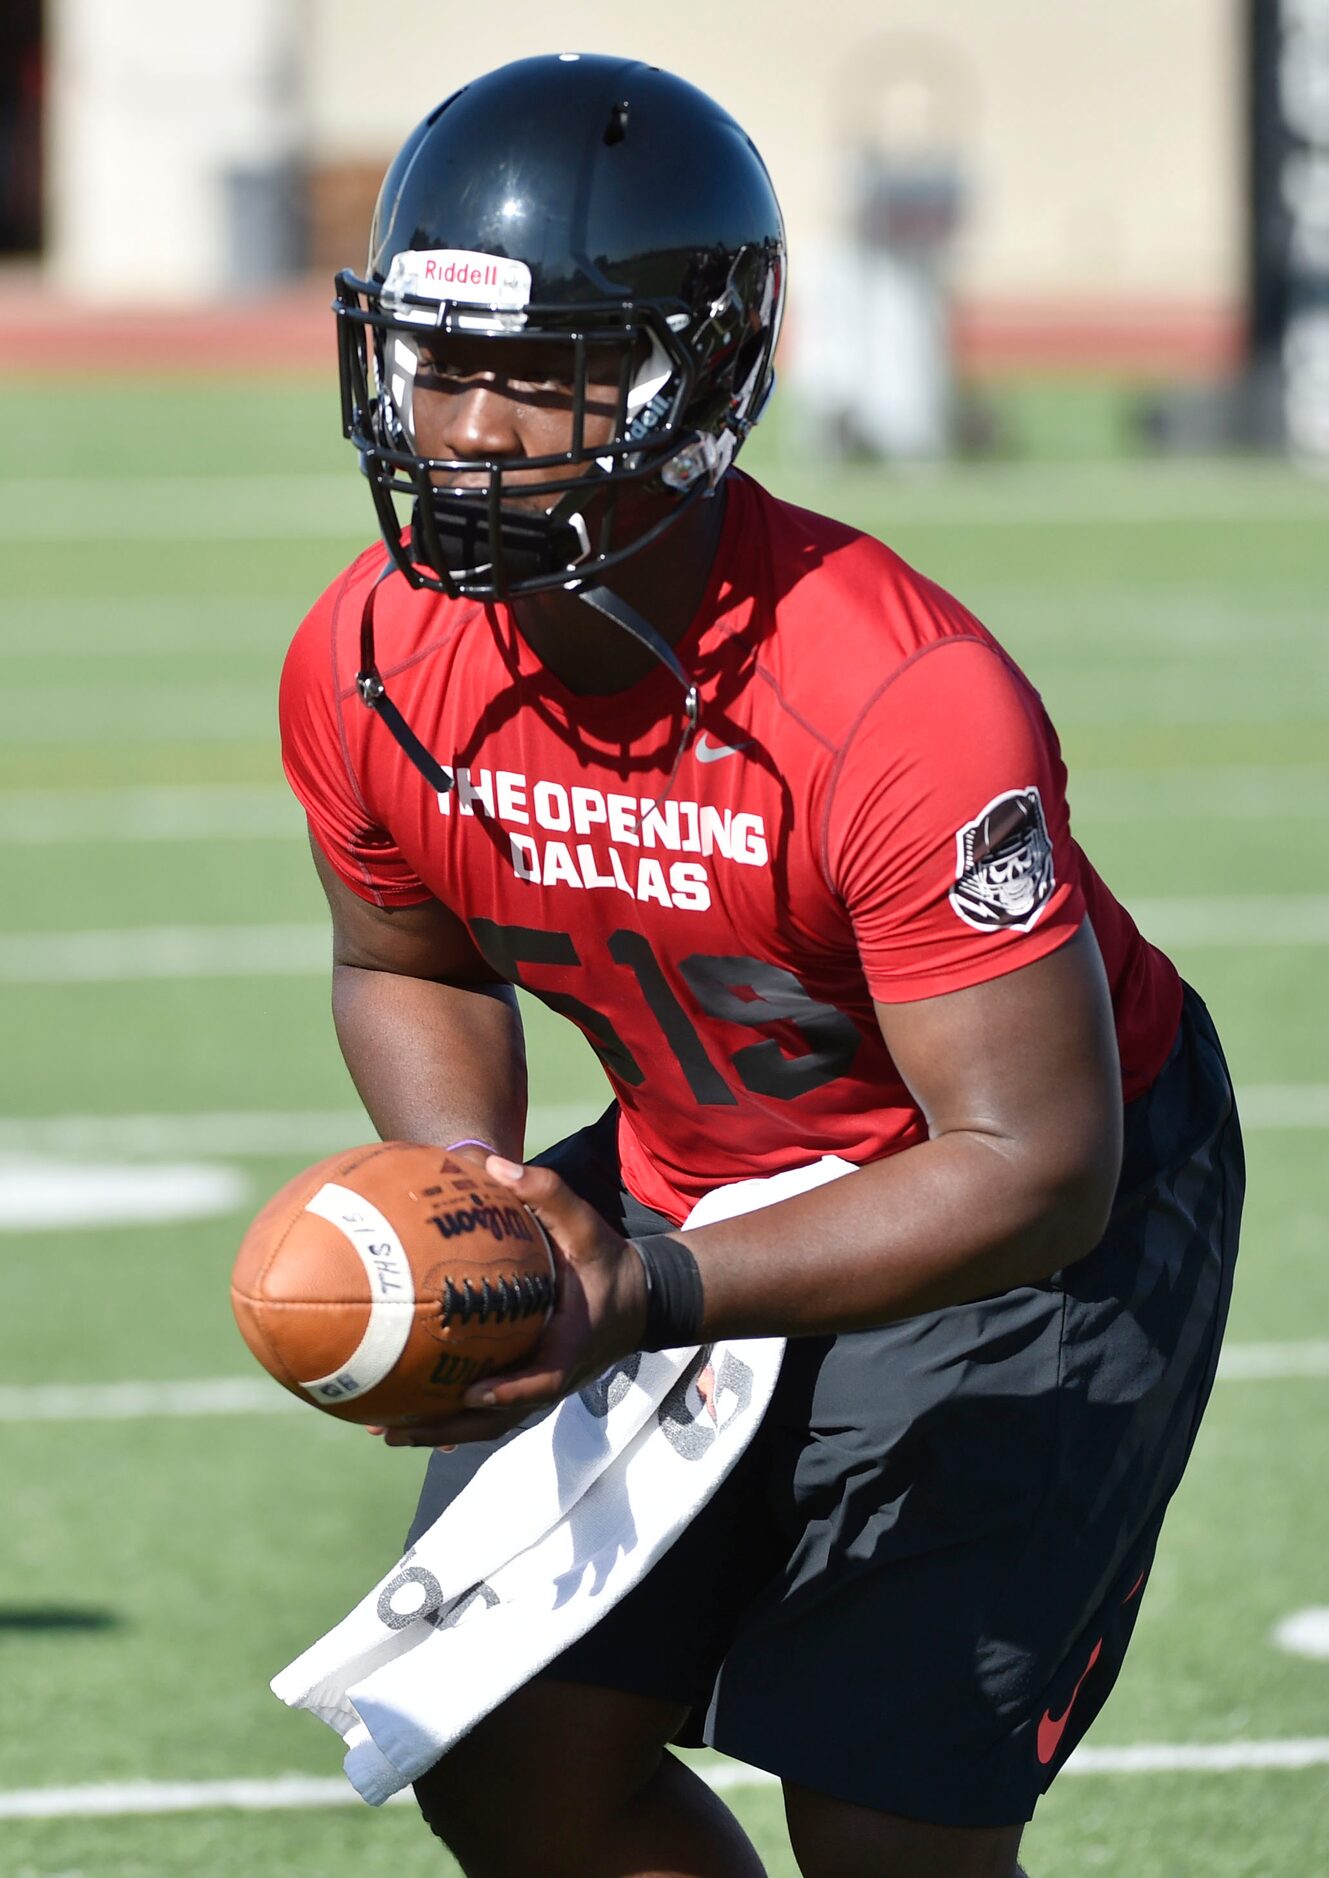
point(383, 1282)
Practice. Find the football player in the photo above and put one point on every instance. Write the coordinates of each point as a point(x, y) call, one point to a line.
point(782, 830)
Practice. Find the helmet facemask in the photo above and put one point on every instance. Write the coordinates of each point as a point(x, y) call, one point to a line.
point(471, 537)
point(686, 390)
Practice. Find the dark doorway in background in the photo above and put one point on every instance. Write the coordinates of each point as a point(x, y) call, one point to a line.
point(21, 75)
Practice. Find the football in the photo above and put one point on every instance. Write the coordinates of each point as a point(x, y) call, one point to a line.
point(384, 1281)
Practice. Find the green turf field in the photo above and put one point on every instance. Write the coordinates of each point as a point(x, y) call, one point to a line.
point(164, 1007)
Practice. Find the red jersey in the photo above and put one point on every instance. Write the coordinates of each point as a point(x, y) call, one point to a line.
point(874, 807)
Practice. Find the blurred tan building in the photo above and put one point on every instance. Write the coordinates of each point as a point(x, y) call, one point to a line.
point(1098, 149)
point(1100, 146)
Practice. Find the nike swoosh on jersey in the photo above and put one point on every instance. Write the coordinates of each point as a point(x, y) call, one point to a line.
point(713, 752)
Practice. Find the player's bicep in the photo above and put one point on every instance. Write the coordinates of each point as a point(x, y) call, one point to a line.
point(424, 940)
point(1027, 1060)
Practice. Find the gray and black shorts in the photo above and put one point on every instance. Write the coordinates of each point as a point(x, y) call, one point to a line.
point(915, 1590)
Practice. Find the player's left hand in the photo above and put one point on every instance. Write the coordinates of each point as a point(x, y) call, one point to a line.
point(599, 1315)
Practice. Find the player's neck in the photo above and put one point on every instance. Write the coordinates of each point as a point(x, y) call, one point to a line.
point(666, 583)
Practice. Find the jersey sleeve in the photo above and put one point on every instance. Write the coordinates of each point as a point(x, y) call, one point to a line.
point(318, 759)
point(947, 834)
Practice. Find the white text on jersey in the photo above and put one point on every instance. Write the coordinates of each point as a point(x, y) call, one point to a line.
point(641, 822)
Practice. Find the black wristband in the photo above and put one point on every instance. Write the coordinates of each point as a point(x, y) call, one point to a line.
point(674, 1300)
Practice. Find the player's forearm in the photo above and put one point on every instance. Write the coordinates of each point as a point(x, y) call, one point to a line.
point(954, 1219)
point(433, 1062)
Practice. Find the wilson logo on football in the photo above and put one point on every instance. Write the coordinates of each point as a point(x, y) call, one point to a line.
point(1004, 873)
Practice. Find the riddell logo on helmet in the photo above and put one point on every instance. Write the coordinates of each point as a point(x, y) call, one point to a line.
point(457, 274)
point(461, 272)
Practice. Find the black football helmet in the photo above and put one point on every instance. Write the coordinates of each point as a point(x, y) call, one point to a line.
point(593, 203)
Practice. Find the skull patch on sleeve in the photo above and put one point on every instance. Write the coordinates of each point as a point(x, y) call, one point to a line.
point(1004, 873)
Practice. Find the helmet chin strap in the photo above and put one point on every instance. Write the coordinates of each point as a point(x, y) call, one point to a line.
point(614, 607)
point(374, 694)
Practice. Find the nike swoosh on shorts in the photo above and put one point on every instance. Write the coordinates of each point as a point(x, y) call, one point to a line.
point(1053, 1727)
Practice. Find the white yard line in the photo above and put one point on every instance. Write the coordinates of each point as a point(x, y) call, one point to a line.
point(302, 1790)
point(121, 955)
point(110, 628)
point(236, 1132)
point(246, 1395)
point(118, 956)
point(229, 1132)
point(187, 812)
point(1284, 1105)
point(144, 1401)
point(185, 508)
point(247, 507)
point(41, 1193)
point(1235, 792)
point(279, 1133)
point(244, 812)
point(177, 1796)
point(1201, 1757)
point(1255, 919)
point(124, 711)
point(1305, 1634)
point(1273, 1362)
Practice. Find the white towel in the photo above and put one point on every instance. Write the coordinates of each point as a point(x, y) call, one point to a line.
point(552, 1531)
